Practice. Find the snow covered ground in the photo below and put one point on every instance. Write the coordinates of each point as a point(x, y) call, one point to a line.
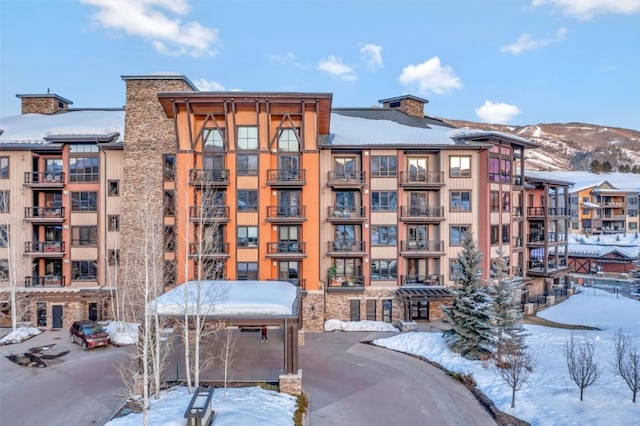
point(550, 397)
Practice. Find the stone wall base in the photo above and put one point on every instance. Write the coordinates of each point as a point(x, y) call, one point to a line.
point(291, 383)
point(300, 337)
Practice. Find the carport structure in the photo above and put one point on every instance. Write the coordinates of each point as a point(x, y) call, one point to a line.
point(422, 302)
point(243, 304)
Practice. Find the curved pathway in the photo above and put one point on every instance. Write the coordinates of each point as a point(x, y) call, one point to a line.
point(352, 383)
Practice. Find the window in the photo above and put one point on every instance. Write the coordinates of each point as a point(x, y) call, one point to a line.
point(4, 167)
point(213, 139)
point(384, 201)
point(460, 201)
point(84, 201)
point(505, 233)
point(288, 140)
point(247, 164)
point(4, 235)
point(633, 213)
point(387, 310)
point(169, 203)
point(4, 270)
point(247, 236)
point(386, 235)
point(384, 166)
point(633, 226)
point(113, 222)
point(459, 166)
point(247, 271)
point(113, 256)
point(345, 199)
point(384, 269)
point(585, 211)
point(169, 170)
point(456, 234)
point(169, 273)
point(4, 201)
point(506, 201)
point(455, 270)
point(247, 200)
point(290, 272)
point(169, 235)
point(494, 201)
point(84, 270)
point(83, 163)
point(114, 188)
point(494, 234)
point(84, 236)
point(247, 138)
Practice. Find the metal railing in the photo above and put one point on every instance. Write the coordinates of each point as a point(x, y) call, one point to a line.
point(44, 178)
point(47, 280)
point(431, 279)
point(53, 247)
point(44, 212)
point(343, 177)
point(422, 245)
point(286, 247)
point(421, 177)
point(286, 176)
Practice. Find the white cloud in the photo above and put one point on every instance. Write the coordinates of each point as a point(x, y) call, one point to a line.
point(150, 20)
point(587, 9)
point(208, 85)
point(334, 66)
point(498, 113)
point(526, 42)
point(287, 58)
point(371, 54)
point(431, 77)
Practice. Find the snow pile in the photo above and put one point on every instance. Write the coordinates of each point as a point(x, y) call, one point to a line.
point(20, 335)
point(122, 333)
point(550, 397)
point(337, 325)
point(242, 407)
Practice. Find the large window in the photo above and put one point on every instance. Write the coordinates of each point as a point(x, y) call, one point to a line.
point(384, 269)
point(169, 203)
point(247, 271)
point(4, 201)
point(83, 163)
point(456, 234)
point(84, 201)
point(288, 140)
point(84, 270)
point(247, 200)
point(247, 236)
point(84, 236)
point(455, 270)
point(213, 139)
point(499, 170)
point(247, 164)
point(247, 138)
point(169, 170)
point(459, 166)
point(494, 201)
point(384, 166)
point(169, 235)
point(460, 201)
point(494, 234)
point(506, 231)
point(384, 201)
point(4, 167)
point(385, 235)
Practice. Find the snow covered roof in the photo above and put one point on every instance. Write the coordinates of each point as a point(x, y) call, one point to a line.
point(584, 180)
point(41, 129)
point(231, 299)
point(590, 205)
point(626, 245)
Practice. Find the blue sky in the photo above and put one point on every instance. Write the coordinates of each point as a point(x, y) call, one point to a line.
point(501, 61)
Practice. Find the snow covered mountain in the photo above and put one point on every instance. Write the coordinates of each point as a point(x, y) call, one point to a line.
point(571, 146)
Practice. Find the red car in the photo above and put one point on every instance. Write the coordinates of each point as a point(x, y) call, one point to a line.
point(89, 334)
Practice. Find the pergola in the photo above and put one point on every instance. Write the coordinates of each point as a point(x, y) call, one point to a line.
point(413, 295)
point(241, 304)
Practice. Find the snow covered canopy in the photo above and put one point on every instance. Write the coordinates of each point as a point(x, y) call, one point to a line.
point(231, 300)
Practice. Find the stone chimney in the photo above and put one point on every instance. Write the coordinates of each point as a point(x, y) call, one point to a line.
point(409, 104)
point(48, 103)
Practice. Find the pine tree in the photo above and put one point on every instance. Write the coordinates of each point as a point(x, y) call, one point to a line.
point(470, 314)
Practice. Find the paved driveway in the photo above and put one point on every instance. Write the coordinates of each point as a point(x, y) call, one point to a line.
point(352, 383)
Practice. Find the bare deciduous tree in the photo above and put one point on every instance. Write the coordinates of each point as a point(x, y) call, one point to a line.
point(515, 367)
point(627, 362)
point(583, 368)
point(227, 353)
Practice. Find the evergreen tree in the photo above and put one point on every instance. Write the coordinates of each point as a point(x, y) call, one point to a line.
point(606, 167)
point(470, 314)
point(596, 167)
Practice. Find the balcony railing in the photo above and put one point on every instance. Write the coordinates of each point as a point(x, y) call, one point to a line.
point(298, 282)
point(432, 279)
point(346, 282)
point(209, 177)
point(551, 237)
point(286, 213)
point(537, 267)
point(44, 247)
point(422, 246)
point(558, 211)
point(47, 280)
point(517, 211)
point(346, 246)
point(343, 178)
point(421, 178)
point(432, 213)
point(44, 179)
point(346, 213)
point(286, 177)
point(211, 213)
point(209, 250)
point(287, 247)
point(44, 213)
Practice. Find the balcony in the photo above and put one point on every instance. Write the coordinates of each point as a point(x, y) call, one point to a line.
point(209, 214)
point(44, 248)
point(346, 248)
point(539, 268)
point(346, 179)
point(44, 179)
point(286, 214)
point(298, 282)
point(533, 212)
point(209, 250)
point(558, 211)
point(422, 248)
point(209, 177)
point(421, 179)
point(46, 281)
point(346, 214)
point(44, 214)
point(346, 283)
point(551, 237)
point(286, 177)
point(411, 280)
point(287, 250)
point(411, 214)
